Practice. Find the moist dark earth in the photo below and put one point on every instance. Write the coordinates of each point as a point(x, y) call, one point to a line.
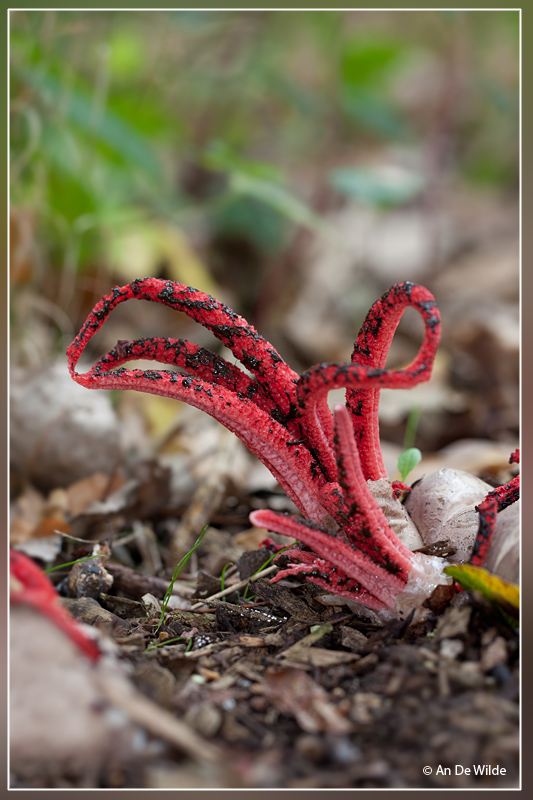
point(298, 694)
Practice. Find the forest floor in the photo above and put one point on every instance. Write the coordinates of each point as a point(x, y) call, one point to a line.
point(267, 686)
point(277, 689)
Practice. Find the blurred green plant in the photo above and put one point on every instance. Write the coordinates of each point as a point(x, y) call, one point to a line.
point(109, 107)
point(82, 164)
point(92, 148)
point(367, 65)
point(410, 456)
point(260, 184)
point(380, 188)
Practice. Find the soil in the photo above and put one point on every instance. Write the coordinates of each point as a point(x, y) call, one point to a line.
point(292, 693)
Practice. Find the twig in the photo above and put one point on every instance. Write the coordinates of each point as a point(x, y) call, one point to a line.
point(155, 719)
point(234, 588)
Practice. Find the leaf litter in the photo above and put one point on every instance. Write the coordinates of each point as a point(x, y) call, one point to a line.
point(273, 689)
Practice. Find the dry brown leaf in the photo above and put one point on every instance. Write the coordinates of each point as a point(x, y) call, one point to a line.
point(304, 655)
point(250, 539)
point(34, 517)
point(96, 487)
point(295, 693)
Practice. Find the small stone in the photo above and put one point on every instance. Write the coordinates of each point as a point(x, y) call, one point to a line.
point(453, 623)
point(311, 747)
point(451, 648)
point(494, 654)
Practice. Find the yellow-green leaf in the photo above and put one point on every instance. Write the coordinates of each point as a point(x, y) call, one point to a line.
point(502, 593)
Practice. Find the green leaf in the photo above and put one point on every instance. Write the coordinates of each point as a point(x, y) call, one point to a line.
point(280, 199)
point(220, 156)
point(368, 61)
point(245, 217)
point(77, 106)
point(369, 110)
point(380, 188)
point(408, 461)
point(127, 54)
point(262, 182)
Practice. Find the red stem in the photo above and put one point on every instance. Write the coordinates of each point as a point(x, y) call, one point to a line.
point(371, 349)
point(495, 501)
point(32, 587)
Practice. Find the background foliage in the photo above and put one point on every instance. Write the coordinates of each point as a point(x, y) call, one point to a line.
point(211, 146)
point(122, 117)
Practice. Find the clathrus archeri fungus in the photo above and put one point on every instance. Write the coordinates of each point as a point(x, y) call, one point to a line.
point(30, 586)
point(322, 459)
point(495, 501)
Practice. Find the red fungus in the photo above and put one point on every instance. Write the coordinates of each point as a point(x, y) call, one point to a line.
point(30, 586)
point(495, 501)
point(399, 488)
point(322, 461)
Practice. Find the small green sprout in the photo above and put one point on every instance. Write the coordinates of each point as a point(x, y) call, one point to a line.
point(188, 639)
point(223, 578)
point(411, 455)
point(262, 567)
point(71, 563)
point(177, 570)
point(166, 641)
point(408, 461)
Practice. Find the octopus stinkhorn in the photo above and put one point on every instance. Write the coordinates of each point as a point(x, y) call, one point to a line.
point(354, 537)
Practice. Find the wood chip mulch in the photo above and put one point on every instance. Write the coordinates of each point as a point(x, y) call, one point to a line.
point(296, 694)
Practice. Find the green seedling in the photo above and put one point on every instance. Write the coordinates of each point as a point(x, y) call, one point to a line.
point(262, 567)
point(223, 578)
point(188, 639)
point(411, 455)
point(166, 641)
point(411, 427)
point(177, 570)
point(408, 461)
point(71, 563)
